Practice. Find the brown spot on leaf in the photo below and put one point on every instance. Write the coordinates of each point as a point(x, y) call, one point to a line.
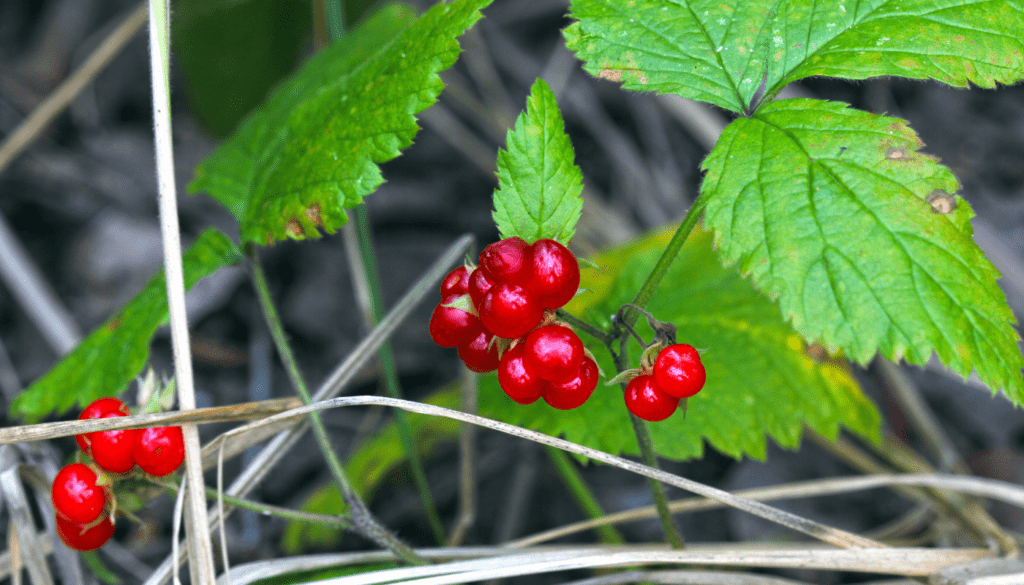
point(294, 228)
point(897, 153)
point(941, 201)
point(313, 214)
point(611, 74)
point(115, 323)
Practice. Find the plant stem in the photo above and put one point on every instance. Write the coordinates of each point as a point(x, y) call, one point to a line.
point(582, 493)
point(583, 326)
point(390, 374)
point(334, 10)
point(643, 296)
point(363, 521)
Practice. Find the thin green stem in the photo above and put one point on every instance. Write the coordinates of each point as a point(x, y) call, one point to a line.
point(643, 296)
point(390, 374)
point(583, 326)
point(363, 521)
point(582, 493)
point(334, 11)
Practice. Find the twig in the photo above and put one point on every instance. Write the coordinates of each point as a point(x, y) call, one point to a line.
point(467, 481)
point(582, 493)
point(200, 547)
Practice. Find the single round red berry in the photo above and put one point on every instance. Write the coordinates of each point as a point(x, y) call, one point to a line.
point(82, 536)
point(646, 400)
point(679, 371)
point(554, 274)
point(572, 394)
point(160, 450)
point(554, 352)
point(516, 378)
point(99, 408)
point(112, 450)
point(452, 327)
point(480, 355)
point(456, 283)
point(75, 494)
point(509, 311)
point(506, 260)
point(478, 286)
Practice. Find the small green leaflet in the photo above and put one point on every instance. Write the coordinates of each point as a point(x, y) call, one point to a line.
point(113, 354)
point(367, 467)
point(825, 207)
point(311, 150)
point(539, 185)
point(761, 381)
point(723, 51)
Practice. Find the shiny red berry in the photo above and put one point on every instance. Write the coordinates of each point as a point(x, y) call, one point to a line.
point(509, 311)
point(456, 283)
point(160, 450)
point(480, 355)
point(553, 352)
point(573, 393)
point(679, 371)
point(506, 260)
point(516, 378)
point(75, 494)
point(452, 327)
point(82, 536)
point(478, 286)
point(99, 408)
point(646, 400)
point(554, 274)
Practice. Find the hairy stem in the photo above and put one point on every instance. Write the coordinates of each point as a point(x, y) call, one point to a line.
point(363, 521)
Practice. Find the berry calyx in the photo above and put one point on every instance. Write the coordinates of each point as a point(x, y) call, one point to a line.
point(516, 377)
point(554, 353)
point(679, 371)
point(506, 260)
point(646, 400)
point(554, 274)
point(456, 283)
point(480, 355)
point(509, 311)
point(87, 536)
point(451, 326)
point(573, 393)
point(160, 450)
point(75, 494)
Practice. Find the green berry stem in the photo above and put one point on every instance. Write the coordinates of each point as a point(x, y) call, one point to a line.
point(582, 493)
point(363, 521)
point(581, 325)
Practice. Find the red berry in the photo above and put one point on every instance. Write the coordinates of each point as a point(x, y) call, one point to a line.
point(480, 355)
point(554, 274)
point(571, 394)
point(75, 494)
point(82, 536)
point(506, 260)
point(646, 400)
point(516, 378)
point(509, 311)
point(554, 353)
point(679, 371)
point(160, 450)
point(99, 408)
point(452, 327)
point(456, 283)
point(112, 450)
point(478, 286)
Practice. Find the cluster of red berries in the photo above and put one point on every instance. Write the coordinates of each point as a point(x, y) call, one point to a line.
point(510, 296)
point(82, 494)
point(677, 373)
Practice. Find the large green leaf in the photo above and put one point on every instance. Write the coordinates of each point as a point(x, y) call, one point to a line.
point(723, 52)
point(539, 185)
point(231, 53)
point(826, 208)
point(761, 381)
point(311, 150)
point(113, 354)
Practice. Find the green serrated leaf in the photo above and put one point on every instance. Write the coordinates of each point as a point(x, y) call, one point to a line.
point(231, 53)
point(367, 467)
point(761, 380)
point(826, 208)
point(311, 150)
point(723, 52)
point(539, 185)
point(113, 354)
